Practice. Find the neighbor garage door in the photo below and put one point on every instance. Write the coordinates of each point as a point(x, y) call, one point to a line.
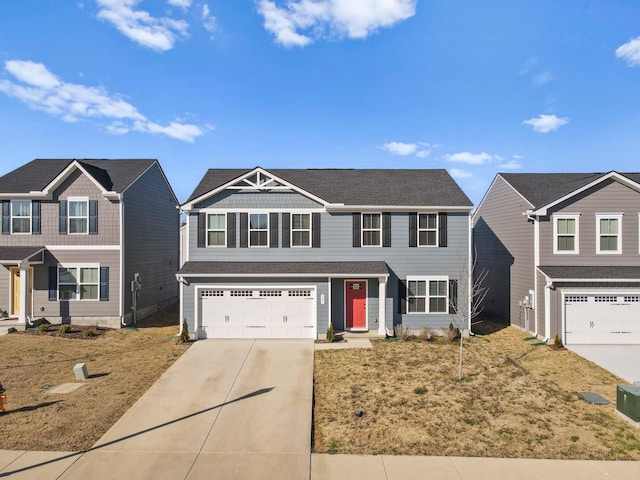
point(611, 318)
point(257, 313)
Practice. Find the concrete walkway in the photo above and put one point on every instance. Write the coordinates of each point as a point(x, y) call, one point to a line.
point(241, 409)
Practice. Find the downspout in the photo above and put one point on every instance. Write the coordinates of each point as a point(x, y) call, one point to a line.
point(547, 309)
point(536, 262)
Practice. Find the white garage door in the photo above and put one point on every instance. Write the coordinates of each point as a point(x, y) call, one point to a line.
point(607, 318)
point(257, 313)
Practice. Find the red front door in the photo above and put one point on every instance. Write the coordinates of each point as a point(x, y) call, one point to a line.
point(356, 304)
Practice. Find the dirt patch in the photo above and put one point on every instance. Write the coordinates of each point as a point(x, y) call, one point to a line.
point(515, 400)
point(122, 365)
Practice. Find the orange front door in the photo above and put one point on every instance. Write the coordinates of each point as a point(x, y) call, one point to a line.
point(356, 304)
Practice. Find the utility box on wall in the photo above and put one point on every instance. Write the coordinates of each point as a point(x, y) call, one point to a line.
point(628, 401)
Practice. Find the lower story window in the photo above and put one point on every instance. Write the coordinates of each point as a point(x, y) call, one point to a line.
point(78, 283)
point(427, 295)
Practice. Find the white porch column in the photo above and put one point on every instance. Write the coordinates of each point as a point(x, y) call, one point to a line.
point(382, 305)
point(24, 293)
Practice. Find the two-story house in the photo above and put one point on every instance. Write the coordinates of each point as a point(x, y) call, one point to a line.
point(284, 253)
point(91, 242)
point(562, 251)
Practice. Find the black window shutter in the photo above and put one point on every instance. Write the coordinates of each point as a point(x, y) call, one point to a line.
point(402, 296)
point(6, 217)
point(244, 230)
point(63, 217)
point(286, 230)
point(231, 230)
point(357, 236)
point(202, 229)
point(413, 229)
point(35, 217)
point(453, 296)
point(53, 284)
point(442, 229)
point(273, 230)
point(386, 229)
point(104, 284)
point(93, 217)
point(315, 230)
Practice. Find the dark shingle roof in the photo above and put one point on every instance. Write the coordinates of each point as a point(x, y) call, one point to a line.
point(402, 187)
point(592, 272)
point(540, 189)
point(283, 268)
point(113, 175)
point(15, 254)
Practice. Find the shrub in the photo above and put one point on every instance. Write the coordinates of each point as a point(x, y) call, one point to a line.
point(420, 390)
point(184, 334)
point(557, 342)
point(43, 327)
point(427, 335)
point(331, 333)
point(64, 328)
point(90, 332)
point(452, 333)
point(402, 333)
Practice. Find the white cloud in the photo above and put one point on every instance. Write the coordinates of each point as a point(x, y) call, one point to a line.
point(630, 52)
point(546, 123)
point(510, 165)
point(459, 173)
point(159, 34)
point(423, 153)
point(183, 4)
point(42, 90)
point(400, 148)
point(208, 21)
point(470, 158)
point(334, 18)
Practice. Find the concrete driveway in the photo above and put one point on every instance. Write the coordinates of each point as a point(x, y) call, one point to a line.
point(226, 409)
point(621, 360)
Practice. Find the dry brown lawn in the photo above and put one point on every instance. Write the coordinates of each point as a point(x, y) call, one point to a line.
point(516, 400)
point(122, 365)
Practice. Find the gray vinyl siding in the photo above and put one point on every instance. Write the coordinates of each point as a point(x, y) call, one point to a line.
point(503, 240)
point(251, 199)
point(190, 302)
point(5, 288)
point(607, 197)
point(77, 185)
point(151, 241)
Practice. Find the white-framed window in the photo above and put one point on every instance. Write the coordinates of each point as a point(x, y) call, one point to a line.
point(428, 230)
point(216, 230)
point(258, 229)
point(20, 216)
point(609, 233)
point(76, 282)
point(566, 233)
point(300, 229)
point(371, 229)
point(78, 215)
point(427, 294)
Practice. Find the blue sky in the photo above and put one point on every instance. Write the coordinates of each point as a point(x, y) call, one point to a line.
point(475, 87)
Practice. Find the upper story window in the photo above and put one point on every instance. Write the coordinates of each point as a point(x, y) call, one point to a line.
point(78, 283)
point(428, 230)
point(20, 216)
point(258, 230)
point(78, 216)
point(216, 230)
point(427, 295)
point(300, 230)
point(371, 230)
point(609, 233)
point(565, 234)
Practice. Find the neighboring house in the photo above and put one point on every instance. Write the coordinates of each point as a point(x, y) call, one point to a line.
point(282, 253)
point(77, 233)
point(562, 251)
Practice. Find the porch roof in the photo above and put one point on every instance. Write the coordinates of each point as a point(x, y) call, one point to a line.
point(279, 269)
point(15, 255)
point(592, 273)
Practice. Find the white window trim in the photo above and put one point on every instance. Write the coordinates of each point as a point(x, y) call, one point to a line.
point(362, 229)
point(77, 199)
point(291, 229)
point(78, 283)
point(249, 229)
point(428, 229)
point(427, 279)
point(565, 216)
point(207, 229)
point(602, 216)
point(12, 216)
